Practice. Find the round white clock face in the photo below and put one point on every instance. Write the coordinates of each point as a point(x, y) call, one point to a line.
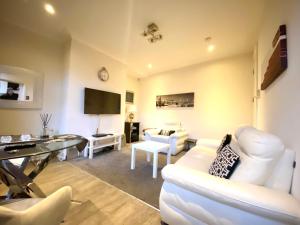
point(103, 74)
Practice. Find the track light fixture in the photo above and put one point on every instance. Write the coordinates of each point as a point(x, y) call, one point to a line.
point(152, 33)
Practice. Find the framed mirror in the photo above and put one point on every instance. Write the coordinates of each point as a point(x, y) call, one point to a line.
point(20, 88)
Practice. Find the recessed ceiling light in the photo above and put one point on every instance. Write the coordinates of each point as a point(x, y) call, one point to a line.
point(49, 8)
point(210, 48)
point(149, 66)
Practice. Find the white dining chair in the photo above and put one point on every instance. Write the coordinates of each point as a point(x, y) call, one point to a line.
point(37, 211)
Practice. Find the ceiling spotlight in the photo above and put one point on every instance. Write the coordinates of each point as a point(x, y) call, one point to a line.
point(210, 48)
point(151, 33)
point(149, 66)
point(49, 8)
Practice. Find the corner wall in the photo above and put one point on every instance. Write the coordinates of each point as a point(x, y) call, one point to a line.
point(279, 105)
point(223, 97)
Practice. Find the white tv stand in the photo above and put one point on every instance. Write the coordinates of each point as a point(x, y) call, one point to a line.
point(101, 142)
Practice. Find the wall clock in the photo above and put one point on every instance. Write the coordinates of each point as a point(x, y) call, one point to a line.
point(103, 74)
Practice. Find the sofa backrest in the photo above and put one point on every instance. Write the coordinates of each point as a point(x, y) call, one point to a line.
point(282, 175)
point(263, 149)
point(172, 126)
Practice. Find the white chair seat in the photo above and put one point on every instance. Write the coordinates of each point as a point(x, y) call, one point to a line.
point(47, 211)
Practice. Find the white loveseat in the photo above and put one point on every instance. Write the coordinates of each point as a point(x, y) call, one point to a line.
point(190, 195)
point(176, 140)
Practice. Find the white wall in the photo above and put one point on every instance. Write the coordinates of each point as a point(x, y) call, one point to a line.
point(22, 48)
point(83, 67)
point(67, 68)
point(279, 105)
point(223, 97)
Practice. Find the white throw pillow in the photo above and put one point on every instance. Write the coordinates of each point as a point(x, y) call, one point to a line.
point(261, 145)
point(240, 129)
point(251, 170)
point(259, 152)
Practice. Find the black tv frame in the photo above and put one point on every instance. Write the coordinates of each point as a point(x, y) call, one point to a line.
point(97, 111)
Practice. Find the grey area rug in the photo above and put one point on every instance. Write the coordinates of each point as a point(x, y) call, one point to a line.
point(114, 167)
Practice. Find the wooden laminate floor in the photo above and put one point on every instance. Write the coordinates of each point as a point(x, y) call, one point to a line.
point(101, 202)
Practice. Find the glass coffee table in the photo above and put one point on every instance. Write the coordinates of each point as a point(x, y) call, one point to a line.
point(14, 158)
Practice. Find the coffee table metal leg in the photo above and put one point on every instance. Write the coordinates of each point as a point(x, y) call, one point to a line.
point(132, 158)
point(155, 159)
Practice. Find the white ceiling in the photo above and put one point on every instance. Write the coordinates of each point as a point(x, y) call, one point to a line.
point(115, 26)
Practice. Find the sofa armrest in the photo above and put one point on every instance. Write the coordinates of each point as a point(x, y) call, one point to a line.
point(210, 143)
point(251, 198)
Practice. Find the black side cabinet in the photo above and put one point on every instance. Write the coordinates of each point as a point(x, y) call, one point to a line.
point(132, 131)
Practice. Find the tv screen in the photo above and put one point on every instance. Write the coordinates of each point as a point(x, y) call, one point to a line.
point(101, 102)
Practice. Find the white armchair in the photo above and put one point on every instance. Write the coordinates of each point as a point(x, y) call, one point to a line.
point(35, 211)
point(190, 195)
point(176, 140)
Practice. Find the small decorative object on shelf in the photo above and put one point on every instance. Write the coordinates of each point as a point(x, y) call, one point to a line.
point(45, 118)
point(25, 137)
point(6, 139)
point(131, 109)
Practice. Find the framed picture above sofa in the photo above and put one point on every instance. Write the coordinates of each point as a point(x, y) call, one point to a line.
point(175, 100)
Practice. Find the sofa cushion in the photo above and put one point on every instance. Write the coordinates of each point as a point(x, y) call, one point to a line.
point(225, 141)
point(261, 145)
point(251, 170)
point(240, 129)
point(198, 158)
point(160, 138)
point(259, 152)
point(172, 126)
point(225, 163)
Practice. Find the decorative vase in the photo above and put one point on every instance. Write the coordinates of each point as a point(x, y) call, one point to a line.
point(45, 133)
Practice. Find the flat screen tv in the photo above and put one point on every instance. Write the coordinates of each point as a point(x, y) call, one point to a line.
point(101, 102)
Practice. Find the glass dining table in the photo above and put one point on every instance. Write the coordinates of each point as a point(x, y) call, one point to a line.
point(15, 157)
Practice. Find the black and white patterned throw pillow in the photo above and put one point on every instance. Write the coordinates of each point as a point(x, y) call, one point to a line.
point(166, 132)
point(171, 132)
point(225, 141)
point(225, 163)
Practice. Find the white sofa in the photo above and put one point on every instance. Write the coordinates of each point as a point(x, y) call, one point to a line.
point(176, 140)
point(190, 195)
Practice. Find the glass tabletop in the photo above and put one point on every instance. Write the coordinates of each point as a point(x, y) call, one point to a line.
point(56, 143)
